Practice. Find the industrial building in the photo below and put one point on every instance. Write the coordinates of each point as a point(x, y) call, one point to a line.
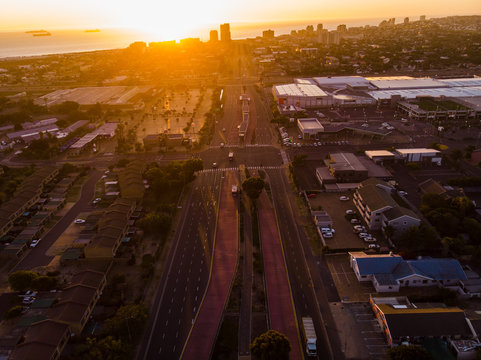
point(420, 155)
point(301, 95)
point(346, 167)
point(455, 98)
point(309, 127)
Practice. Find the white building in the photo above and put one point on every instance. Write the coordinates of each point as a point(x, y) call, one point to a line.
point(420, 155)
point(301, 95)
point(309, 127)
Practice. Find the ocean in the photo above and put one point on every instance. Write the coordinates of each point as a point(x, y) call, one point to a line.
point(19, 44)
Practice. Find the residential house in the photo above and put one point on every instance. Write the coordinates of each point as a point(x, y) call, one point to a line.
point(43, 340)
point(400, 320)
point(390, 272)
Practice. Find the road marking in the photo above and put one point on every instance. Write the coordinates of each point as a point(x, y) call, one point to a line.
point(166, 322)
point(170, 310)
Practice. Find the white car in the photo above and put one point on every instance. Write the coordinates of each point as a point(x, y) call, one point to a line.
point(363, 235)
point(327, 235)
point(349, 212)
point(369, 239)
point(222, 145)
point(374, 246)
point(214, 165)
point(402, 193)
point(298, 144)
point(299, 136)
point(79, 221)
point(344, 198)
point(34, 243)
point(355, 221)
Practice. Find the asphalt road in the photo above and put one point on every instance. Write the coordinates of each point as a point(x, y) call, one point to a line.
point(184, 281)
point(304, 285)
point(37, 256)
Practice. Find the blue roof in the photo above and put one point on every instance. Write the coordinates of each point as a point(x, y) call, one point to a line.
point(385, 279)
point(438, 269)
point(377, 265)
point(403, 270)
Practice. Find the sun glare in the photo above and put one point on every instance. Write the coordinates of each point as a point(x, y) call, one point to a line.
point(168, 20)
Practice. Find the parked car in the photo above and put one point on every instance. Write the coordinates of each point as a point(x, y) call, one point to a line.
point(355, 221)
point(214, 165)
point(344, 198)
point(402, 193)
point(327, 229)
point(222, 145)
point(327, 235)
point(369, 239)
point(374, 246)
point(349, 212)
point(79, 221)
point(34, 243)
point(363, 235)
point(299, 136)
point(313, 195)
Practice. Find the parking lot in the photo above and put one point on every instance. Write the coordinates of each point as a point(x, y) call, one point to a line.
point(344, 236)
point(348, 287)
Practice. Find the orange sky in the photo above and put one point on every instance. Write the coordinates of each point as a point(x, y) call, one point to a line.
point(177, 18)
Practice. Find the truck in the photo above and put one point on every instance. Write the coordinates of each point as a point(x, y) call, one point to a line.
point(309, 336)
point(231, 156)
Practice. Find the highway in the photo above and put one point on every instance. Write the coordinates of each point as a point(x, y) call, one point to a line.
point(301, 282)
point(184, 280)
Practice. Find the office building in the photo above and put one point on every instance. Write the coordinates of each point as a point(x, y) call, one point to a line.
point(268, 34)
point(214, 36)
point(225, 32)
point(342, 28)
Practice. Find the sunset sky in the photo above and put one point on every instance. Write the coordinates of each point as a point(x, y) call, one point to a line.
point(175, 18)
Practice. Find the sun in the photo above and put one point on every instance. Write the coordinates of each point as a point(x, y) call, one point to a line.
point(168, 20)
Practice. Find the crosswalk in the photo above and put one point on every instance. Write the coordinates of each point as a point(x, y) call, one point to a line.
point(237, 169)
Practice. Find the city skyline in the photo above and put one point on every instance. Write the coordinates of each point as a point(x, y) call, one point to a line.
point(184, 18)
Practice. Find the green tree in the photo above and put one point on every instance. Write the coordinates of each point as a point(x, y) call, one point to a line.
point(22, 280)
point(108, 348)
point(44, 283)
point(128, 322)
point(271, 345)
point(253, 187)
point(13, 312)
point(409, 352)
point(299, 160)
point(473, 228)
point(156, 223)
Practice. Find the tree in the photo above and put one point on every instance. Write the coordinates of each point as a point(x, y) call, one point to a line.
point(299, 160)
point(156, 223)
point(13, 312)
point(388, 232)
point(271, 345)
point(128, 322)
point(108, 348)
point(253, 187)
point(22, 280)
point(409, 352)
point(44, 283)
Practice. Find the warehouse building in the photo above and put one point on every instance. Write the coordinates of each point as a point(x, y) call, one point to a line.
point(420, 155)
point(301, 95)
point(309, 127)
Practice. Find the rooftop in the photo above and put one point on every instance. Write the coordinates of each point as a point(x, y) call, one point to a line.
point(310, 123)
point(299, 90)
point(346, 161)
point(374, 153)
point(417, 151)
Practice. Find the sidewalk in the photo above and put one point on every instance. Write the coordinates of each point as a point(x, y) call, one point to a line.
point(204, 332)
point(281, 308)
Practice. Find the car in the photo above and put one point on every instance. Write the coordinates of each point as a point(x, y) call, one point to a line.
point(29, 293)
point(363, 235)
point(313, 195)
point(327, 235)
point(369, 239)
point(374, 246)
point(222, 145)
point(79, 221)
point(27, 300)
point(327, 229)
point(104, 177)
point(355, 221)
point(107, 172)
point(214, 165)
point(299, 136)
point(315, 144)
point(344, 198)
point(223, 129)
point(34, 243)
point(360, 229)
point(402, 193)
point(349, 212)
point(298, 144)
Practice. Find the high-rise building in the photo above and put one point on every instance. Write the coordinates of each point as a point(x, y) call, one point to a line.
point(225, 32)
point(392, 21)
point(406, 20)
point(319, 28)
point(268, 34)
point(422, 18)
point(323, 36)
point(342, 28)
point(310, 28)
point(334, 38)
point(214, 36)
